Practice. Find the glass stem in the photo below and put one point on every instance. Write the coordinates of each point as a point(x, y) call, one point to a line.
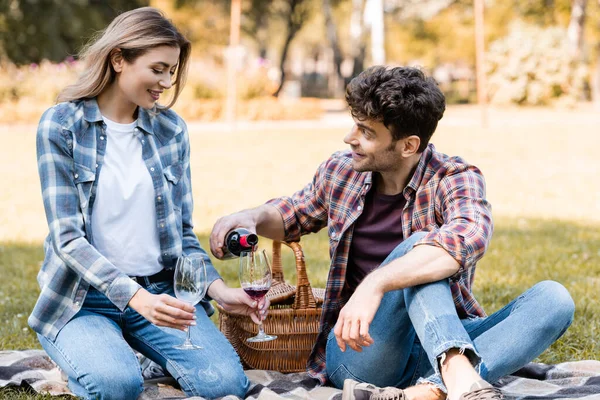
point(188, 340)
point(261, 332)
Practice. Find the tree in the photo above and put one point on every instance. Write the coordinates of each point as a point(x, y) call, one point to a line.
point(31, 31)
point(596, 88)
point(295, 12)
point(331, 30)
point(576, 28)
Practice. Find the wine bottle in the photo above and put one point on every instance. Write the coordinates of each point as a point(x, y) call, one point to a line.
point(238, 240)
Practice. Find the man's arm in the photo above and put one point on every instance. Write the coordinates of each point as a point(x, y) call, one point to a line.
point(265, 220)
point(443, 253)
point(284, 218)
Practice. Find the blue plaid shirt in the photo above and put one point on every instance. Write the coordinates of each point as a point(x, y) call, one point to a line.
point(71, 143)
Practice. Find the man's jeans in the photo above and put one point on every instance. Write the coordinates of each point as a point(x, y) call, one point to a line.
point(95, 350)
point(414, 327)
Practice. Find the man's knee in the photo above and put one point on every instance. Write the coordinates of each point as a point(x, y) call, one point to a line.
point(558, 306)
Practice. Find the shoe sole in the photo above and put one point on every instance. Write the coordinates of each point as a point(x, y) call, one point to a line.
point(348, 391)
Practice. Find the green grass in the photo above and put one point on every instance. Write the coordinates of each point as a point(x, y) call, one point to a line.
point(522, 252)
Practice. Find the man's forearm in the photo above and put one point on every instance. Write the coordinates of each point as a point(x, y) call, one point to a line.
point(423, 264)
point(269, 222)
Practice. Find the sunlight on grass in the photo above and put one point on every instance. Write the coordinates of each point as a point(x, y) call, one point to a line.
point(522, 253)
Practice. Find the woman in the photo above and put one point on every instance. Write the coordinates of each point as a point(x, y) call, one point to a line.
point(115, 173)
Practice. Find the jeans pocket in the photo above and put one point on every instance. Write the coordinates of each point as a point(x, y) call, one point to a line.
point(340, 374)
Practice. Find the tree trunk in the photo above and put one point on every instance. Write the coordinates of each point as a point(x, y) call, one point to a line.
point(576, 26)
point(335, 46)
point(357, 37)
point(374, 14)
point(596, 81)
point(294, 24)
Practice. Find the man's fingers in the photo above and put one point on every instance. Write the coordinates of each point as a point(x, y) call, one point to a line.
point(338, 335)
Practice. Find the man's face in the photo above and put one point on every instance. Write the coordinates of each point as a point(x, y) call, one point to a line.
point(373, 148)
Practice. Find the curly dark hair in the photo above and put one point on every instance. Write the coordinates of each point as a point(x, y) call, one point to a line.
point(402, 98)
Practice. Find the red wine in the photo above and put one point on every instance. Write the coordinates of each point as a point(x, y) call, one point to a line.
point(239, 240)
point(257, 293)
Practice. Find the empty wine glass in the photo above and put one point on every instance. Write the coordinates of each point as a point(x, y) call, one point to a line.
point(255, 278)
point(190, 286)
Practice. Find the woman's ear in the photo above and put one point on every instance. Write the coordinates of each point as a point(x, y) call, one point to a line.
point(117, 60)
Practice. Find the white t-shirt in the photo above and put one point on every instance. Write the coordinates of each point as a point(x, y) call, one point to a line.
point(124, 225)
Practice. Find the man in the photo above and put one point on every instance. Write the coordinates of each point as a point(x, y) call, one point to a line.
point(407, 226)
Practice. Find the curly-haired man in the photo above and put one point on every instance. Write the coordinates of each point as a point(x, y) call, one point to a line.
point(407, 226)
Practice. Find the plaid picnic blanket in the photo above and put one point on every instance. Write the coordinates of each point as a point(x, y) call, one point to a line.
point(33, 370)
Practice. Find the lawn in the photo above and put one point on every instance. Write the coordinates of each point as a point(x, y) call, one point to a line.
point(540, 165)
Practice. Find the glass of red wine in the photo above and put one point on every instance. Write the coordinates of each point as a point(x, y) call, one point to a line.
point(255, 278)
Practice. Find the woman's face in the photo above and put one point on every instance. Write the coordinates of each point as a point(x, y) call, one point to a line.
point(143, 81)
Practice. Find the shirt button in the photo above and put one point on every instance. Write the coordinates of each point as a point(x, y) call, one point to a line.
point(359, 208)
point(332, 234)
point(77, 303)
point(159, 198)
point(143, 141)
point(96, 165)
point(152, 169)
point(76, 176)
point(162, 225)
point(101, 137)
point(164, 254)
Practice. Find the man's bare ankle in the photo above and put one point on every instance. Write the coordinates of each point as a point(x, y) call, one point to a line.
point(424, 391)
point(457, 373)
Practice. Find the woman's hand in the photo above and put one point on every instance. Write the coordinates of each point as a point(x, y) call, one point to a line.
point(163, 310)
point(236, 301)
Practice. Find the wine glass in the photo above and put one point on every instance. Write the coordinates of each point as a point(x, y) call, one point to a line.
point(255, 278)
point(190, 286)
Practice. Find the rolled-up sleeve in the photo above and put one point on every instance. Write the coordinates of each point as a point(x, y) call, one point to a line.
point(467, 215)
point(65, 218)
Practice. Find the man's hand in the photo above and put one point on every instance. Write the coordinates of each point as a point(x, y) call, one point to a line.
point(352, 327)
point(163, 310)
point(236, 301)
point(242, 219)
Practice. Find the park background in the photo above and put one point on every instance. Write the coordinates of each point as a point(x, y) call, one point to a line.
point(265, 106)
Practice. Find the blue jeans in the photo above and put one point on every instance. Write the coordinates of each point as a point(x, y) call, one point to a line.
point(415, 327)
point(95, 350)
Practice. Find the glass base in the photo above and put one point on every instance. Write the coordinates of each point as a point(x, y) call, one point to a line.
point(188, 346)
point(261, 338)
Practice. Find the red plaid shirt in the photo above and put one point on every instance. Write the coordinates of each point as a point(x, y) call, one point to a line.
point(445, 197)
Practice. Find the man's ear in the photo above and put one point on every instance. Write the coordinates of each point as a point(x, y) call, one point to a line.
point(410, 145)
point(117, 60)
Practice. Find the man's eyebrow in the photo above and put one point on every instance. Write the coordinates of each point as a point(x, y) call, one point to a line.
point(366, 128)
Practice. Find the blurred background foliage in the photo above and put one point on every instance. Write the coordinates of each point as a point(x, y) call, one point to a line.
point(539, 52)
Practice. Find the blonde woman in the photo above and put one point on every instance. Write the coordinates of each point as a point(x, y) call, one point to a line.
point(115, 174)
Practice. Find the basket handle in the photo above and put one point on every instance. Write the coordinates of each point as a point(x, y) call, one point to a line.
point(304, 296)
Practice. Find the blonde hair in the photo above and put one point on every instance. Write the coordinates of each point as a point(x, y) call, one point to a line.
point(134, 33)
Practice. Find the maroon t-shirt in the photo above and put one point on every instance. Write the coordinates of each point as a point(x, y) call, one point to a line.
point(377, 231)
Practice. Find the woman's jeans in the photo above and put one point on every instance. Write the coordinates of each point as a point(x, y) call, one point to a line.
point(415, 327)
point(95, 350)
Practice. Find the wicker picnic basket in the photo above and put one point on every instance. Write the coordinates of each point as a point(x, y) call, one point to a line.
point(293, 316)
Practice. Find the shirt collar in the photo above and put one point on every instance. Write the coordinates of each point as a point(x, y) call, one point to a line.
point(415, 181)
point(146, 121)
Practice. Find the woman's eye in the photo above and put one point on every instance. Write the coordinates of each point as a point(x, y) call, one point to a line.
point(172, 72)
point(156, 71)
